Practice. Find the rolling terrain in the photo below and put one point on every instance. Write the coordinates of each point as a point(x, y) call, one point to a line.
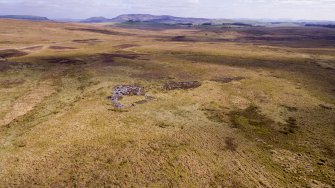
point(200, 107)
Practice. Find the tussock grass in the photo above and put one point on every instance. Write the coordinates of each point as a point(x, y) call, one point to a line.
point(258, 118)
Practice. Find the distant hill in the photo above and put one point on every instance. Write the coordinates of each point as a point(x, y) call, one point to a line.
point(24, 17)
point(165, 19)
point(162, 20)
point(96, 20)
point(159, 19)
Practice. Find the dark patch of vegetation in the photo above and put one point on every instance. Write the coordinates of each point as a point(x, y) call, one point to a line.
point(325, 107)
point(61, 48)
point(231, 144)
point(110, 58)
point(328, 150)
point(162, 125)
point(289, 37)
point(133, 21)
point(237, 24)
point(181, 38)
point(90, 41)
point(125, 46)
point(4, 66)
point(290, 108)
point(242, 24)
point(11, 53)
point(181, 85)
point(215, 115)
point(11, 83)
point(34, 48)
point(65, 61)
point(257, 126)
point(251, 119)
point(101, 31)
point(207, 24)
point(228, 79)
point(271, 38)
point(290, 127)
point(321, 162)
point(186, 24)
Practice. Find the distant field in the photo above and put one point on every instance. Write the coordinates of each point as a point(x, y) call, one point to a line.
point(208, 107)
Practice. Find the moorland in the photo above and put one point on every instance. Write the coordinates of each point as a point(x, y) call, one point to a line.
point(205, 106)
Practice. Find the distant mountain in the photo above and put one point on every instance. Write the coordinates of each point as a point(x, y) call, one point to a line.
point(96, 20)
point(165, 19)
point(158, 19)
point(24, 17)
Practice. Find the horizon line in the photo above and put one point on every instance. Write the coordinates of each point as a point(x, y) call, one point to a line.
point(246, 18)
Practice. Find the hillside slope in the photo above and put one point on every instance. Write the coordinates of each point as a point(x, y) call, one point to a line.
point(103, 106)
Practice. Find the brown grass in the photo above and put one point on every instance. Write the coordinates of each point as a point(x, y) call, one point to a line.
point(244, 107)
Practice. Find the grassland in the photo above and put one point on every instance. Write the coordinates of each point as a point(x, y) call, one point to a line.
point(264, 115)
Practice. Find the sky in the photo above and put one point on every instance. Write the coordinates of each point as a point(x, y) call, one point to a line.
point(253, 9)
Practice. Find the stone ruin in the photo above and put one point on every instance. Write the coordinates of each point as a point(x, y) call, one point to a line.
point(130, 90)
point(124, 90)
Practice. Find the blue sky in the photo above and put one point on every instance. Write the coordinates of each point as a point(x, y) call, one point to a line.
point(270, 9)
